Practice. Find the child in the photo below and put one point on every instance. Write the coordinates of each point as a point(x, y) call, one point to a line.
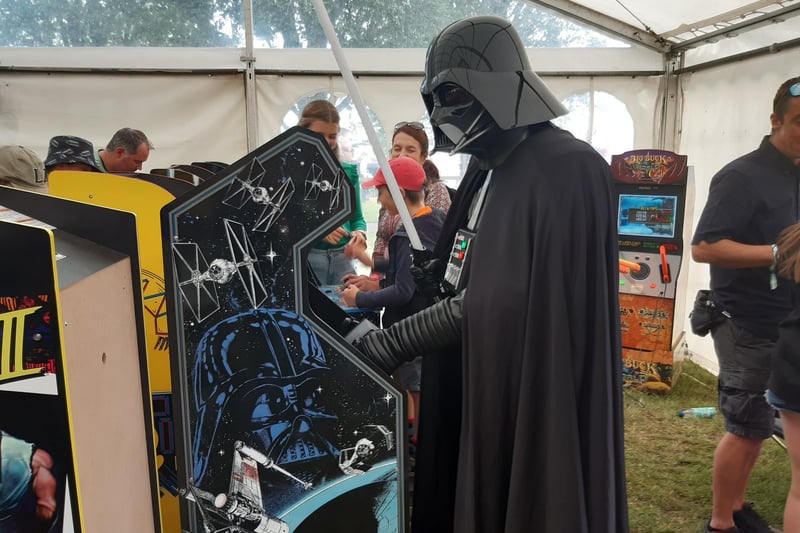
point(397, 292)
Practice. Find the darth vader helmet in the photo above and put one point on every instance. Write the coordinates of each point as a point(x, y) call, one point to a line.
point(478, 80)
point(257, 378)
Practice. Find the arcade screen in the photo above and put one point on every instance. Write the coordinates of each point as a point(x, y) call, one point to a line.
point(647, 215)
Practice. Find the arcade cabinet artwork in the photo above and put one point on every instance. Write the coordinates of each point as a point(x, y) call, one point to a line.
point(280, 427)
point(144, 195)
point(36, 461)
point(651, 191)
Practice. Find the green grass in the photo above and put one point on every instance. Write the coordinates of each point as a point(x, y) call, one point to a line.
point(669, 459)
point(370, 208)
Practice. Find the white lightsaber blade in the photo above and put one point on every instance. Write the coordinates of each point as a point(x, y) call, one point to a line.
point(352, 87)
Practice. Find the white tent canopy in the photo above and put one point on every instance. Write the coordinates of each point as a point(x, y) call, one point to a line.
point(697, 78)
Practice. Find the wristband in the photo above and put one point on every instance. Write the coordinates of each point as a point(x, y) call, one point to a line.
point(773, 277)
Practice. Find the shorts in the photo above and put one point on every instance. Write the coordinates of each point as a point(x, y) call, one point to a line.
point(409, 375)
point(781, 405)
point(744, 366)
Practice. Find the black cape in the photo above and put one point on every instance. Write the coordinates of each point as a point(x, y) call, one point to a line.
point(541, 433)
point(439, 425)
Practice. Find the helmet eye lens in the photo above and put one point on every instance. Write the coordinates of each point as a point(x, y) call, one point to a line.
point(450, 95)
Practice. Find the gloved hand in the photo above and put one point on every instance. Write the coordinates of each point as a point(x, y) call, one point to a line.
point(427, 273)
point(432, 329)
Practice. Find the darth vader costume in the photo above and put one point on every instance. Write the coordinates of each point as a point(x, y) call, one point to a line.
point(530, 332)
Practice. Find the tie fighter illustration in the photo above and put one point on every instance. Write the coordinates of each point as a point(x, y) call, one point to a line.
point(315, 184)
point(241, 509)
point(197, 279)
point(249, 188)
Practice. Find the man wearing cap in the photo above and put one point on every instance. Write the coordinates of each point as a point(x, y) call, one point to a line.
point(20, 167)
point(127, 151)
point(67, 152)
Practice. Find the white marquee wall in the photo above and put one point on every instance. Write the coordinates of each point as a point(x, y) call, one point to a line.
point(194, 116)
point(188, 118)
point(191, 117)
point(726, 113)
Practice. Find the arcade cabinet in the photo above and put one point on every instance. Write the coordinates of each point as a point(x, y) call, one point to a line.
point(73, 370)
point(280, 425)
point(651, 191)
point(143, 195)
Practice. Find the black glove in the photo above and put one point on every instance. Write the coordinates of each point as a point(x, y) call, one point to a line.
point(432, 329)
point(427, 273)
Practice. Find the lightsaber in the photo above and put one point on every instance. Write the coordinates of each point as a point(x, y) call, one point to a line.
point(352, 87)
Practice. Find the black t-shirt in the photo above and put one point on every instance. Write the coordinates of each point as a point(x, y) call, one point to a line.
point(750, 201)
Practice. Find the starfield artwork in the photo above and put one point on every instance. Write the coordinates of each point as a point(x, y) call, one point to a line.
point(281, 426)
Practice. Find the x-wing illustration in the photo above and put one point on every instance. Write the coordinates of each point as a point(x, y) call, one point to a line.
point(241, 509)
point(197, 279)
point(249, 189)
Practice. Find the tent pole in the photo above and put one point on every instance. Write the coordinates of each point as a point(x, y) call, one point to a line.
point(249, 60)
point(668, 117)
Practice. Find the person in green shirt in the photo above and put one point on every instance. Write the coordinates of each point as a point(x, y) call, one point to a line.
point(331, 258)
point(127, 151)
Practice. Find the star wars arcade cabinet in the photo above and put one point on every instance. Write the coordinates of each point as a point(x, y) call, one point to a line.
point(281, 427)
point(650, 186)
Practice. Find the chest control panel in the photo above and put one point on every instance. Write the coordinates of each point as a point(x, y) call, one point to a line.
point(454, 279)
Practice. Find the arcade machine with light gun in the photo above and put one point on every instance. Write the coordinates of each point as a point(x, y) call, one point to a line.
point(650, 186)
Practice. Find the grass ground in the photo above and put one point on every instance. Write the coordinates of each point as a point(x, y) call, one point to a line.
point(669, 459)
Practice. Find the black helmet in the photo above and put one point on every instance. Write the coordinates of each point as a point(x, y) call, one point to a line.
point(478, 79)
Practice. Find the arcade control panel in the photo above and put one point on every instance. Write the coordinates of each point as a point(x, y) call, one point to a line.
point(655, 276)
point(334, 293)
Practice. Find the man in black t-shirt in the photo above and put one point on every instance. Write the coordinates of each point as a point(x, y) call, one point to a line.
point(750, 201)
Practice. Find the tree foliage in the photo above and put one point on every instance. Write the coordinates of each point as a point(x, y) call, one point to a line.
point(405, 23)
point(277, 23)
point(74, 23)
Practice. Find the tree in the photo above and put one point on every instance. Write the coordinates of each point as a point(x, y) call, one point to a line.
point(114, 23)
point(278, 23)
point(403, 23)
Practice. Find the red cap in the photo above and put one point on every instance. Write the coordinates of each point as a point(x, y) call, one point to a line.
point(408, 173)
